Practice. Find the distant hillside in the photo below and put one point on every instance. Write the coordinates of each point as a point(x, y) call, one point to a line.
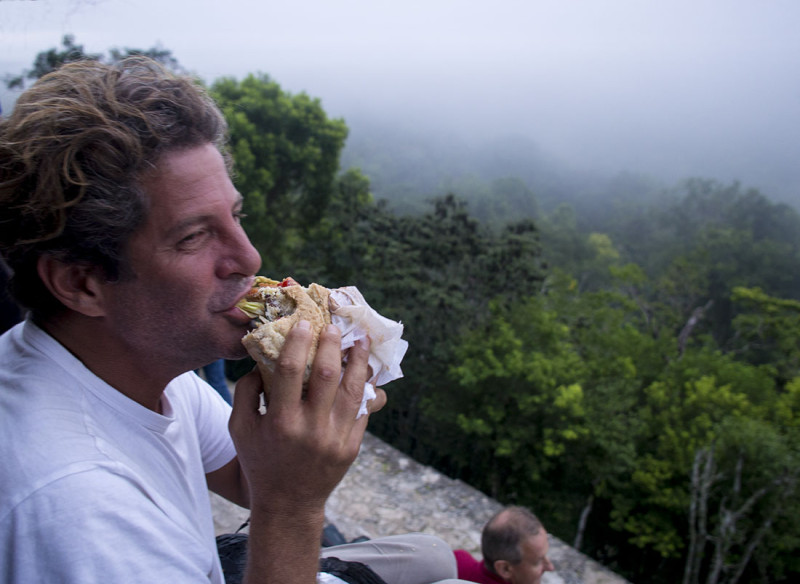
point(408, 165)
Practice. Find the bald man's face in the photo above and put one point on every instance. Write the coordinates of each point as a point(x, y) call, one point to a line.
point(534, 562)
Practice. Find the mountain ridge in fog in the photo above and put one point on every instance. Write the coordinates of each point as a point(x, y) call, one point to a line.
point(408, 157)
point(410, 162)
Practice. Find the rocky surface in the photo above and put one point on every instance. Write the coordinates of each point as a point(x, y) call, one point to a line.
point(385, 492)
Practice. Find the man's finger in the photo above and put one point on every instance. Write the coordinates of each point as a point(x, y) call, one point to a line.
point(377, 404)
point(246, 399)
point(287, 380)
point(351, 391)
point(326, 370)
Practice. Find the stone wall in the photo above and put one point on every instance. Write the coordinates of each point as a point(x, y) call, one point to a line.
point(386, 493)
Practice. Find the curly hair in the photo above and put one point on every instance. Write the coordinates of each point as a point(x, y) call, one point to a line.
point(503, 534)
point(72, 156)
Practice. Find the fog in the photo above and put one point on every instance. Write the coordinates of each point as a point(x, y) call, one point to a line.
point(668, 89)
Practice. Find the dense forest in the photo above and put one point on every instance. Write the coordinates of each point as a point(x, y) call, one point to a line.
point(622, 358)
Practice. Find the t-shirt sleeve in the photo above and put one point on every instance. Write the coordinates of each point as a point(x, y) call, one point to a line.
point(96, 526)
point(211, 415)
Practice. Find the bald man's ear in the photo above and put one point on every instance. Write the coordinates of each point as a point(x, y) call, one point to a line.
point(76, 286)
point(503, 569)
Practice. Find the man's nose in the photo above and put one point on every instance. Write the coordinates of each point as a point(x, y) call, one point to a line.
point(250, 257)
point(241, 257)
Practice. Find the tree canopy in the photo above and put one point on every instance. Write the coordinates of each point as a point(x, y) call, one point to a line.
point(287, 158)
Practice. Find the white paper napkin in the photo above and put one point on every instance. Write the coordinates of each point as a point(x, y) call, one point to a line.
point(357, 320)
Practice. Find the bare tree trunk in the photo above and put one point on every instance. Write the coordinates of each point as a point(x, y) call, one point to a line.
point(727, 528)
point(686, 332)
point(689, 570)
point(787, 484)
point(751, 546)
point(703, 477)
point(582, 523)
point(691, 553)
point(721, 544)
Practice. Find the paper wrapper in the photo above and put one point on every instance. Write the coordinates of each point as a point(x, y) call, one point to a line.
point(357, 320)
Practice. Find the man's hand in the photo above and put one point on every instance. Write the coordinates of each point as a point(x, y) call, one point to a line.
point(295, 454)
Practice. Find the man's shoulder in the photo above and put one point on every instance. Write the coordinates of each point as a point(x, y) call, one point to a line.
point(28, 354)
point(60, 489)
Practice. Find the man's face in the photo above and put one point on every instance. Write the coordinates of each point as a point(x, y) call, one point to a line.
point(191, 262)
point(534, 560)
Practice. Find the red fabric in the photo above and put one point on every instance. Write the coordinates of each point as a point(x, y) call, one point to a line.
point(473, 570)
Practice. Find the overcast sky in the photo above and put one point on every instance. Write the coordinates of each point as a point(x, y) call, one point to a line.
point(671, 88)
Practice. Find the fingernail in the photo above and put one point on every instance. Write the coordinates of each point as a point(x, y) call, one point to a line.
point(303, 325)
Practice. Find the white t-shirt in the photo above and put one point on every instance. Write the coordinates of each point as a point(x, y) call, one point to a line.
point(95, 487)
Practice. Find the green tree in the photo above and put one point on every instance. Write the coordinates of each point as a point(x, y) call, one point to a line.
point(548, 388)
point(436, 273)
point(743, 489)
point(767, 332)
point(50, 60)
point(518, 397)
point(566, 247)
point(336, 251)
point(157, 53)
point(702, 399)
point(287, 156)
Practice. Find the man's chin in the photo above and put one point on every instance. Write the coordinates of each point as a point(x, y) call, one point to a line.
point(232, 347)
point(235, 352)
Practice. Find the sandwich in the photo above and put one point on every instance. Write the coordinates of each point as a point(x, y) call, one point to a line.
point(275, 307)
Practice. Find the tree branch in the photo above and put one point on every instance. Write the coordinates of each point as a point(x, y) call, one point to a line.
point(686, 332)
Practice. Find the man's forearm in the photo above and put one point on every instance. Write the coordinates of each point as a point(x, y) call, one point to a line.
point(284, 548)
point(295, 453)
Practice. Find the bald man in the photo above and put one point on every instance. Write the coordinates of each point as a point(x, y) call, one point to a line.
point(514, 546)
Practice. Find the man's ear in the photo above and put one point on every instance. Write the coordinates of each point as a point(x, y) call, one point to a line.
point(503, 569)
point(76, 286)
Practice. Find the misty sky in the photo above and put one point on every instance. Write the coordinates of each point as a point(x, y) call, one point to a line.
point(670, 88)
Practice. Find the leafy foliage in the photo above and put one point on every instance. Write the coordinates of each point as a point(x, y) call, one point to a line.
point(436, 272)
point(287, 156)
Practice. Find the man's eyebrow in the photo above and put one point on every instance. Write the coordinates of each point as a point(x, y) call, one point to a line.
point(189, 222)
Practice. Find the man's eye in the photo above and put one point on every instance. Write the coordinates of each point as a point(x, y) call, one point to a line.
point(192, 239)
point(239, 215)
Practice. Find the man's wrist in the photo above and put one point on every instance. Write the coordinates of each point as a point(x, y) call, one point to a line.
point(283, 546)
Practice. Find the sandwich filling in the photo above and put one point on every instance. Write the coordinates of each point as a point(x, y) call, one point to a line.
point(266, 301)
